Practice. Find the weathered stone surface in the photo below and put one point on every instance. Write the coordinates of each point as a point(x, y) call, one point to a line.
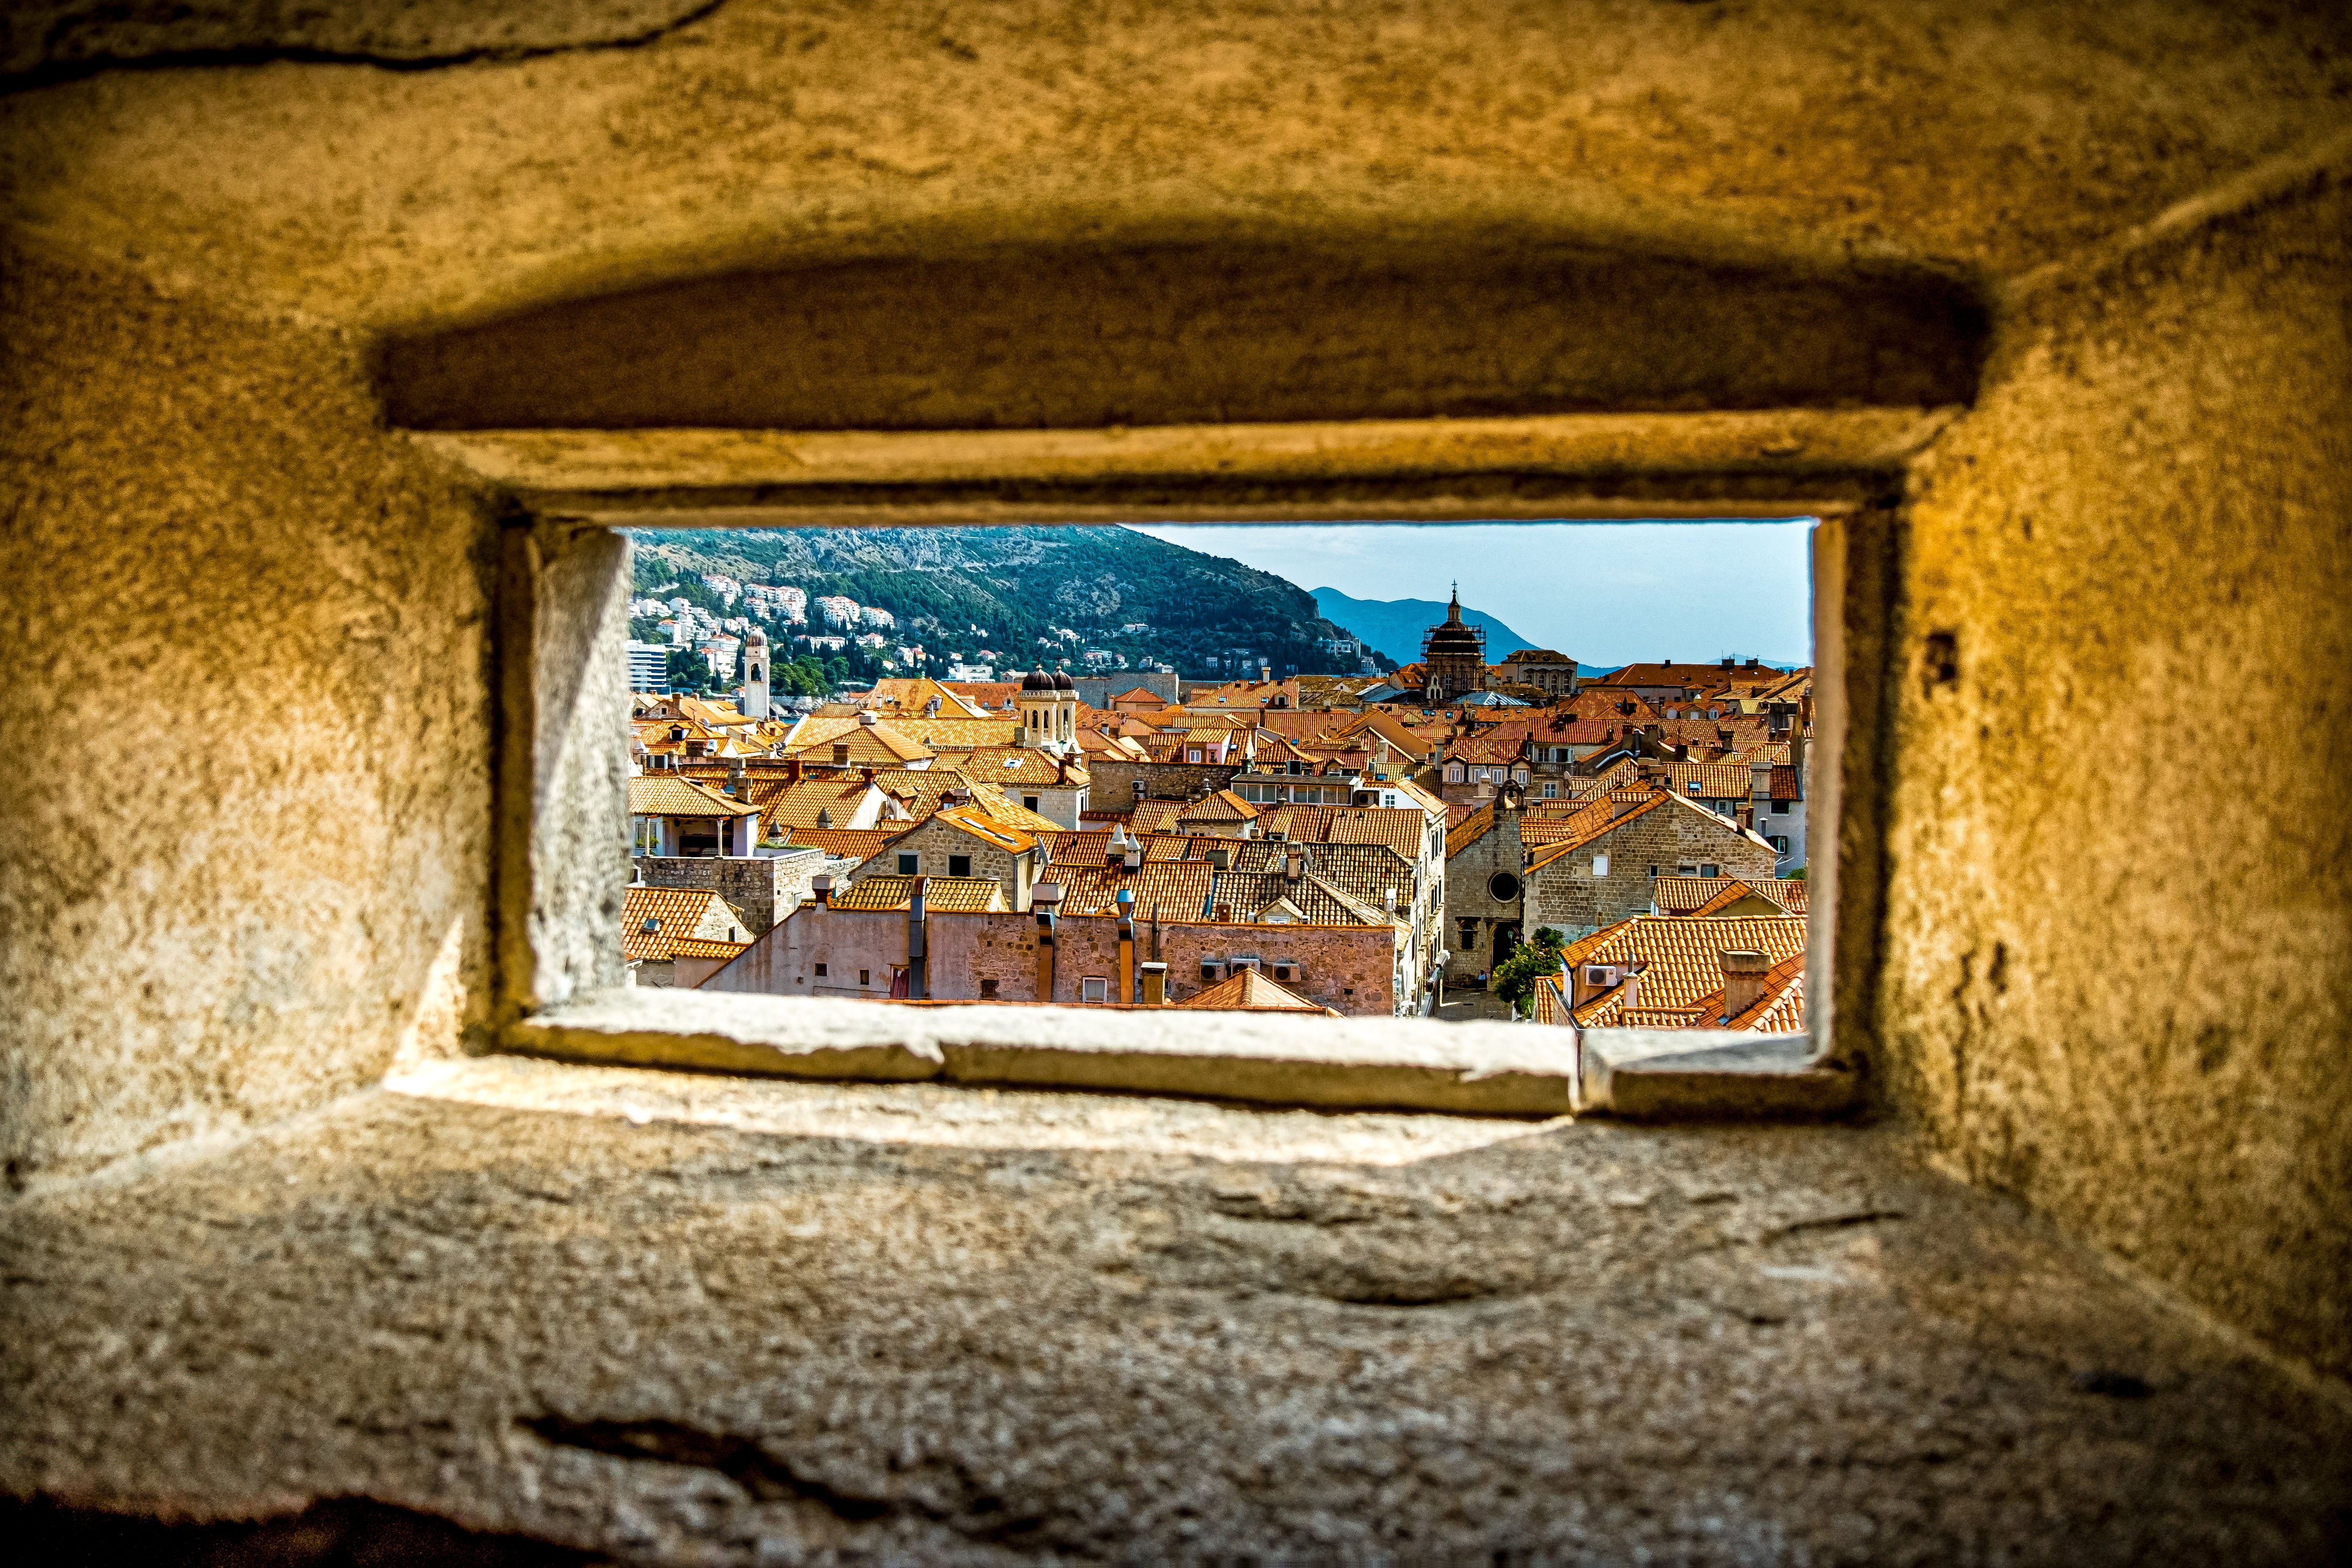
point(246, 856)
point(690, 1343)
point(47, 41)
point(2119, 915)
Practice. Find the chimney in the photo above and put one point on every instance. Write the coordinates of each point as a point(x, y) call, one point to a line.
point(793, 770)
point(1743, 982)
point(823, 887)
point(1225, 914)
point(1124, 906)
point(1294, 862)
point(1045, 901)
point(1759, 791)
point(1155, 984)
point(916, 953)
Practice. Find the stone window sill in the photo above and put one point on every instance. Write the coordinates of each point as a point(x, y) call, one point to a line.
point(1352, 1064)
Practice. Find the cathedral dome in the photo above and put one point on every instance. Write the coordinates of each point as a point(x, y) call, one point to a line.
point(1037, 681)
point(1063, 683)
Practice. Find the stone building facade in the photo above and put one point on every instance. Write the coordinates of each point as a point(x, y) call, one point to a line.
point(949, 844)
point(1486, 892)
point(995, 957)
point(1578, 888)
point(766, 888)
point(1118, 786)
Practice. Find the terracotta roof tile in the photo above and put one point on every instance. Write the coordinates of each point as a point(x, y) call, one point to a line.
point(1712, 895)
point(851, 844)
point(664, 795)
point(1164, 889)
point(946, 895)
point(1683, 960)
point(679, 913)
point(1250, 992)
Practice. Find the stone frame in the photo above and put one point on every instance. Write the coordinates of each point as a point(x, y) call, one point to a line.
point(561, 629)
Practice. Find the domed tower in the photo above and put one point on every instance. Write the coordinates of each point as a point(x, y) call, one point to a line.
point(1035, 705)
point(1049, 710)
point(755, 674)
point(1455, 655)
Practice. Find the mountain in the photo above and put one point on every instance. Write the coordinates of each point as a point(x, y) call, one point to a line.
point(1206, 616)
point(1394, 626)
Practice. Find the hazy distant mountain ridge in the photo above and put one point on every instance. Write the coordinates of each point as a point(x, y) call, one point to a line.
point(1396, 627)
point(1021, 583)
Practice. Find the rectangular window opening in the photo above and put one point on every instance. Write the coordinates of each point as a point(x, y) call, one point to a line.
point(815, 731)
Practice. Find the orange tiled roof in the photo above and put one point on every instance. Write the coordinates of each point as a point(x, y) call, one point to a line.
point(885, 743)
point(944, 895)
point(665, 794)
point(1472, 828)
point(848, 843)
point(1712, 895)
point(1164, 889)
point(1487, 748)
point(1780, 1010)
point(947, 734)
point(795, 806)
point(703, 947)
point(1222, 806)
point(1153, 815)
point(679, 913)
point(1683, 960)
point(987, 829)
point(1250, 992)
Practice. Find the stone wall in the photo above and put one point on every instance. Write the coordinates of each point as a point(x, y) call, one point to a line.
point(785, 962)
point(1119, 785)
point(766, 888)
point(1096, 691)
point(1469, 895)
point(934, 843)
point(1566, 896)
point(247, 723)
point(2126, 570)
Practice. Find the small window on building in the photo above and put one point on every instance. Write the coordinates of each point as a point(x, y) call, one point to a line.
point(862, 978)
point(988, 990)
point(841, 754)
point(1780, 808)
point(1685, 871)
point(1029, 801)
point(1779, 842)
point(907, 865)
point(1710, 870)
point(1601, 866)
point(1551, 791)
point(1192, 755)
point(1469, 942)
point(820, 969)
point(1094, 988)
point(1694, 786)
point(959, 865)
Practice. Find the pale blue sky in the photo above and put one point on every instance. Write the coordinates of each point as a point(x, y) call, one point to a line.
point(1603, 592)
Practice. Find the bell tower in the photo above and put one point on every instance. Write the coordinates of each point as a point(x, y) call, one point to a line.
point(755, 674)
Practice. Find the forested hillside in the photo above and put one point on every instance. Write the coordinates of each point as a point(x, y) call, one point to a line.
point(960, 591)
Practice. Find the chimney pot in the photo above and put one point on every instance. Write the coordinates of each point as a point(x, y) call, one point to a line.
point(1743, 980)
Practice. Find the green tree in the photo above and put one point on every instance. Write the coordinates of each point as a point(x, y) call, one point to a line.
point(1515, 979)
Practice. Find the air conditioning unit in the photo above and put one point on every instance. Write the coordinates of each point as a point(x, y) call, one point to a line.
point(1285, 972)
point(1603, 976)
